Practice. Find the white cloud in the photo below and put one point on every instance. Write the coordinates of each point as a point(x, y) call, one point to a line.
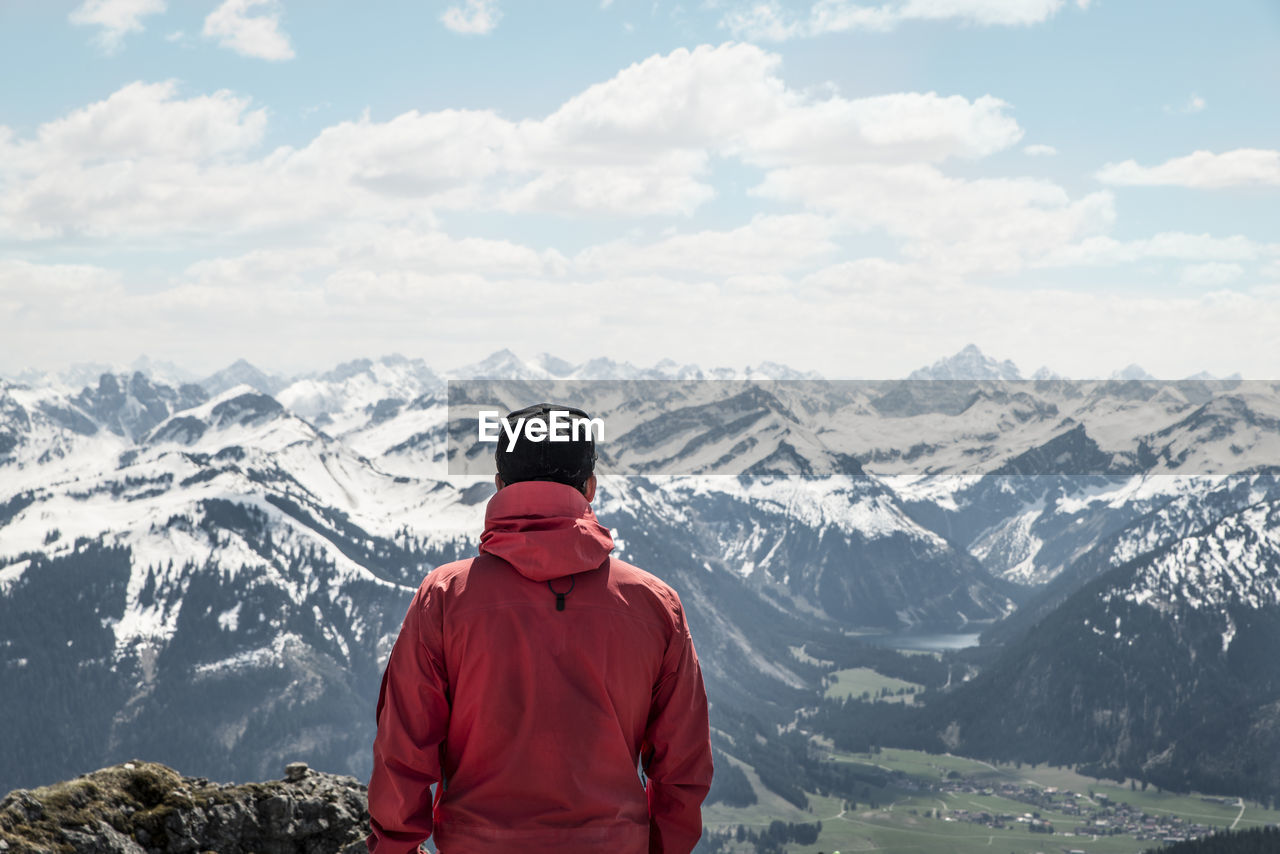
point(474, 17)
point(1208, 261)
point(142, 159)
point(769, 20)
point(1099, 251)
point(731, 100)
point(412, 155)
point(1215, 275)
point(1039, 150)
point(27, 280)
point(43, 304)
point(767, 244)
point(869, 275)
point(1083, 330)
point(360, 262)
point(144, 120)
point(667, 183)
point(958, 225)
point(257, 35)
point(376, 249)
point(904, 313)
point(116, 18)
point(1193, 104)
point(146, 161)
point(901, 127)
point(685, 99)
point(1200, 170)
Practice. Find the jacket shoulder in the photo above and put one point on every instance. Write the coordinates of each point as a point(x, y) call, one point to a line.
point(444, 574)
point(630, 576)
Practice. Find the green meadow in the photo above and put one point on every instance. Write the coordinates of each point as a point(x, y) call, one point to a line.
point(902, 818)
point(857, 681)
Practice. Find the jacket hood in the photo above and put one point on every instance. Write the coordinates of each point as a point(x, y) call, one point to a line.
point(544, 529)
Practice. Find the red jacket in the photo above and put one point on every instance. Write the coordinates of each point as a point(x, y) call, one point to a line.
point(536, 718)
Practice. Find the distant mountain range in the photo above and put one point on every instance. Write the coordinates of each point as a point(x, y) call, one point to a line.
point(970, 363)
point(210, 574)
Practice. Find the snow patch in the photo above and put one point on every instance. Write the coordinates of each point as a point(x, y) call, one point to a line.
point(10, 574)
point(229, 620)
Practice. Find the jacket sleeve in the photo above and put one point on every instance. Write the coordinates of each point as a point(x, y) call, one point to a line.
point(413, 719)
point(677, 748)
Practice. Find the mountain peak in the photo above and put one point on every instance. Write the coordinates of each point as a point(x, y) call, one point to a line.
point(1133, 371)
point(241, 372)
point(968, 364)
point(500, 365)
point(1205, 376)
point(778, 371)
point(162, 371)
point(1043, 373)
point(506, 354)
point(347, 370)
point(553, 365)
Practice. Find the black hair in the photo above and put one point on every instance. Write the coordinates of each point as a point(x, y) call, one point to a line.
point(569, 462)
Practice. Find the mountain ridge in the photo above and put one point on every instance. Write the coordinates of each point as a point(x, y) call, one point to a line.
point(246, 557)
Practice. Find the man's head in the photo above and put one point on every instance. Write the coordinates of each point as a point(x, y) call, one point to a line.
point(570, 462)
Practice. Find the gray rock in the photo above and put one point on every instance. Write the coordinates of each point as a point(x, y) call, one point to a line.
point(102, 838)
point(23, 804)
point(146, 808)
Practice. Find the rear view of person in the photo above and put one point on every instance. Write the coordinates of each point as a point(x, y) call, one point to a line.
point(532, 680)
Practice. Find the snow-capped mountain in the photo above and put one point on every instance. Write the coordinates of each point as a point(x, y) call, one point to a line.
point(225, 566)
point(247, 565)
point(83, 374)
point(40, 425)
point(1162, 668)
point(1231, 564)
point(361, 393)
point(969, 364)
point(1131, 372)
point(240, 372)
point(506, 365)
point(1094, 427)
point(222, 590)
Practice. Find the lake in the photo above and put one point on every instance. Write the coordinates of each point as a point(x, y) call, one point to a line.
point(926, 642)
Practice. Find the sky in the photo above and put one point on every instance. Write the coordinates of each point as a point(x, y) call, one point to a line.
point(854, 187)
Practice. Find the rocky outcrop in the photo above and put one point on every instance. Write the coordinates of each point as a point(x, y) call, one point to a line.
point(146, 808)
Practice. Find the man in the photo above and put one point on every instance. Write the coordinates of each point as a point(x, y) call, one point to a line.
point(531, 681)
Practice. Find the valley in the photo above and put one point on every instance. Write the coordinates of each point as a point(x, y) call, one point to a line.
point(947, 804)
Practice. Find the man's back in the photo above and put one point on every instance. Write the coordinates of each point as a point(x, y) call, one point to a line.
point(532, 679)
